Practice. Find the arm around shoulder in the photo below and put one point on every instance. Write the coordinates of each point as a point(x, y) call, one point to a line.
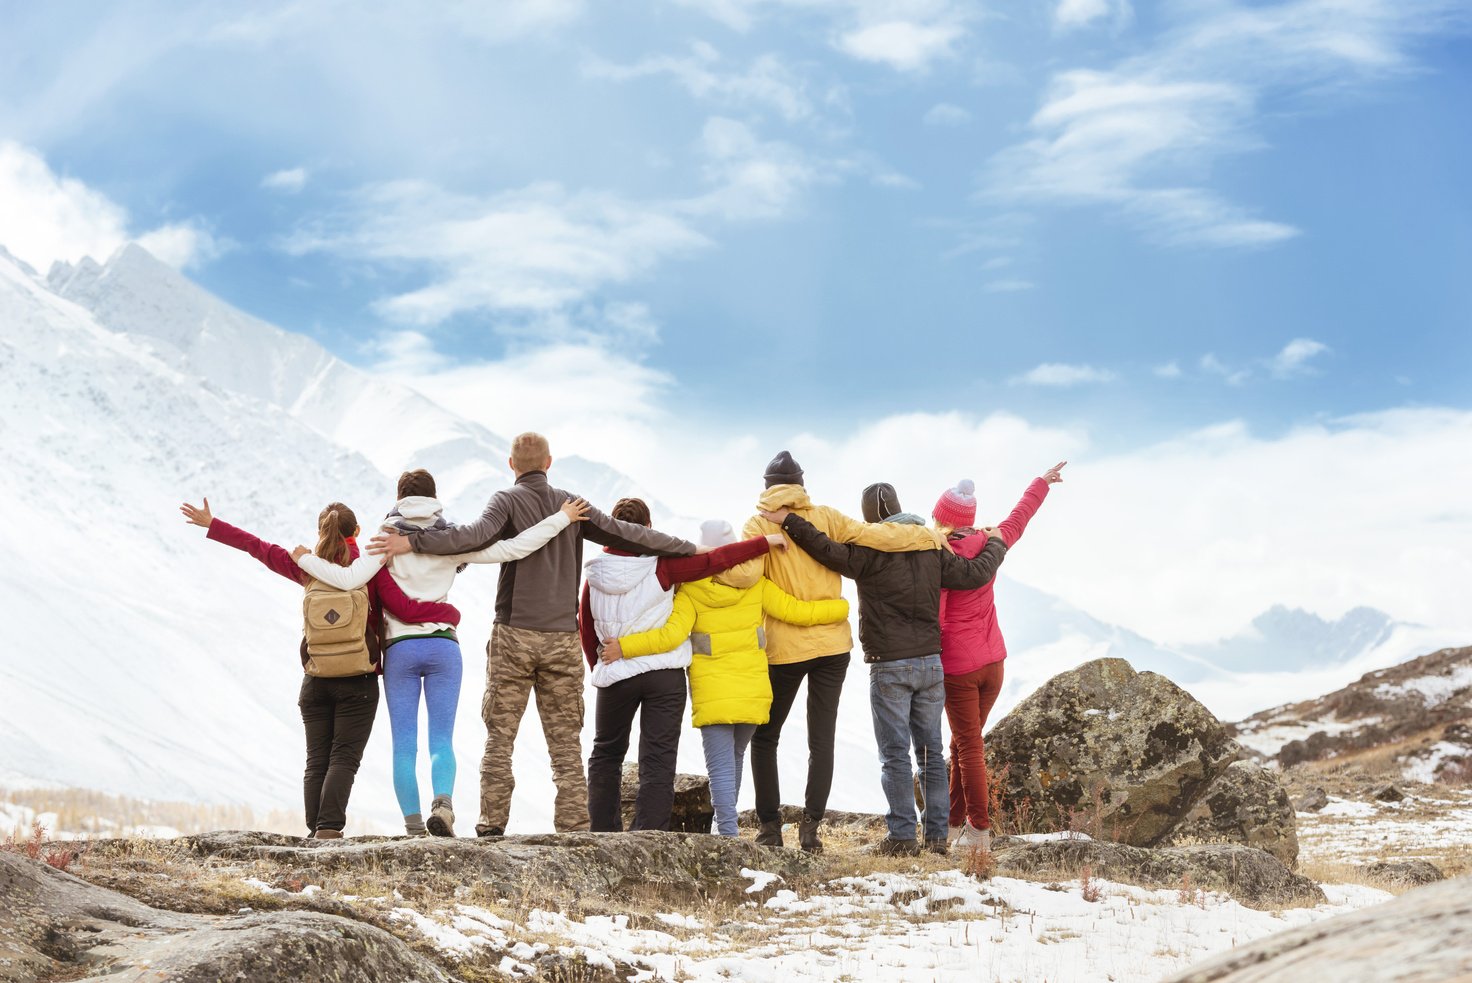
point(666, 637)
point(523, 544)
point(362, 570)
point(779, 604)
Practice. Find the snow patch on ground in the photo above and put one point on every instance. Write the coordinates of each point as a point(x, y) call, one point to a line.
point(1359, 832)
point(1433, 690)
point(1422, 766)
point(1269, 738)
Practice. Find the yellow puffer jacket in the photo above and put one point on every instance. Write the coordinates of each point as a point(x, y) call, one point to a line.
point(797, 573)
point(728, 672)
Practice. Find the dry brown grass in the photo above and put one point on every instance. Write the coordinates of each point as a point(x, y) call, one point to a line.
point(81, 812)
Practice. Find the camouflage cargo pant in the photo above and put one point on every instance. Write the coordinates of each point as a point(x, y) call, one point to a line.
point(518, 661)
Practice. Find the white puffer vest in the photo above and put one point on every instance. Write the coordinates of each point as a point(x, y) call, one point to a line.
point(625, 598)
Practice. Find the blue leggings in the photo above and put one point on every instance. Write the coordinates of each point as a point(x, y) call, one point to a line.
point(433, 663)
point(725, 748)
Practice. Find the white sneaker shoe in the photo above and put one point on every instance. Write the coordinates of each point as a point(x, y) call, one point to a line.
point(953, 832)
point(972, 838)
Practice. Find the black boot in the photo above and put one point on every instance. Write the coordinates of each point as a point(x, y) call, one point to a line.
point(888, 847)
point(807, 835)
point(770, 834)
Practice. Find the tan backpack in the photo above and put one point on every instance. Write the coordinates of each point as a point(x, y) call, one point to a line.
point(336, 642)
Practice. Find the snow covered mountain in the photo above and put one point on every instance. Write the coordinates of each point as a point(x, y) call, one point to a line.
point(143, 660)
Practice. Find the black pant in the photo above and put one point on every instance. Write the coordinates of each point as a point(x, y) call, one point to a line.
point(825, 677)
point(338, 717)
point(659, 699)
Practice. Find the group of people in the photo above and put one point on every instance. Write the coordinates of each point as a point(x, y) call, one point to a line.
point(738, 625)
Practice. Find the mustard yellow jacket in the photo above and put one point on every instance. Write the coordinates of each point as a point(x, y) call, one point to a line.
point(808, 580)
point(728, 671)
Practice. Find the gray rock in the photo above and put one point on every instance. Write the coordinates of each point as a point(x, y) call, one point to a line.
point(833, 817)
point(692, 812)
point(54, 925)
point(1424, 936)
point(1406, 873)
point(1387, 793)
point(1253, 877)
point(1246, 805)
point(1311, 801)
point(1120, 754)
point(683, 865)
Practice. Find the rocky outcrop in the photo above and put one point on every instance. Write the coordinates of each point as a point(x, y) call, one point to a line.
point(692, 812)
point(1253, 877)
point(1424, 936)
point(1122, 755)
point(835, 818)
point(1406, 873)
point(1246, 805)
point(53, 925)
point(682, 865)
point(1312, 800)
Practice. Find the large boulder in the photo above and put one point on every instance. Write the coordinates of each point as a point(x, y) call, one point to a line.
point(1424, 936)
point(692, 812)
point(55, 926)
point(1120, 754)
point(1253, 877)
point(1246, 805)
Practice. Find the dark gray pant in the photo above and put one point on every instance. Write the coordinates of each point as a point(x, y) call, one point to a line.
point(658, 697)
point(825, 677)
point(338, 717)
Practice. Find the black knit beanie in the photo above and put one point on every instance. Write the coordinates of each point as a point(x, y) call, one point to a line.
point(880, 502)
point(783, 470)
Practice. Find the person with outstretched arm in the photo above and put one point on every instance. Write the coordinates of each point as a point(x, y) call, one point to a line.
point(899, 628)
point(339, 693)
point(534, 641)
point(972, 651)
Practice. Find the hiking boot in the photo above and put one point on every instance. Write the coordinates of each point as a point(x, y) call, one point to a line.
point(489, 832)
point(414, 825)
point(807, 835)
point(329, 834)
point(890, 847)
point(938, 846)
point(441, 817)
point(972, 838)
point(770, 834)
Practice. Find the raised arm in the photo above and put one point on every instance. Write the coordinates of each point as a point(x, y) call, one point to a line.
point(851, 561)
point(667, 636)
point(524, 544)
point(273, 557)
point(958, 573)
point(351, 577)
point(632, 537)
point(1013, 526)
point(411, 610)
point(779, 604)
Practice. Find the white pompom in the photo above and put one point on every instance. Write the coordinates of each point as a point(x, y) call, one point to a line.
point(966, 487)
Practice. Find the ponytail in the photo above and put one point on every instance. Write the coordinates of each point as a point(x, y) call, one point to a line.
point(336, 523)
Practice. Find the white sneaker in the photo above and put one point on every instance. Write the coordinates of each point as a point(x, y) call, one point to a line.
point(953, 832)
point(971, 838)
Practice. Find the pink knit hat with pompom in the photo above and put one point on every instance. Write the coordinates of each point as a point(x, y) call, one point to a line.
point(957, 506)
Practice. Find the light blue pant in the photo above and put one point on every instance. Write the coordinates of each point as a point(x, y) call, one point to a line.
point(432, 664)
point(908, 697)
point(725, 750)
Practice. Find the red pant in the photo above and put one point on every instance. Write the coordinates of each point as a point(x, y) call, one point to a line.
point(969, 699)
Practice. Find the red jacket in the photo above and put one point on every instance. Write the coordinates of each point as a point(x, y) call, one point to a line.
point(383, 590)
point(970, 637)
point(672, 570)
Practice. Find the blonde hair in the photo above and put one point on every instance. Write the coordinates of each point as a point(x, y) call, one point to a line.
point(529, 452)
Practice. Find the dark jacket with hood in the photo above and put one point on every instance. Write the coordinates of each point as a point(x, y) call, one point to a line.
point(899, 593)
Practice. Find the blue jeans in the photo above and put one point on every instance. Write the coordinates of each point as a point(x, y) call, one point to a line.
point(908, 697)
point(725, 748)
point(432, 664)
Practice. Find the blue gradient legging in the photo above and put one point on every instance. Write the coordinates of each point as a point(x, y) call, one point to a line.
point(434, 664)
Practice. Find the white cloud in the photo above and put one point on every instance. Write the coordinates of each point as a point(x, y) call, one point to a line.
point(1141, 136)
point(45, 217)
point(902, 45)
point(767, 83)
point(1170, 370)
point(1009, 285)
point(508, 20)
point(1212, 365)
point(1070, 14)
point(291, 180)
point(946, 114)
point(1294, 358)
point(1062, 375)
point(751, 178)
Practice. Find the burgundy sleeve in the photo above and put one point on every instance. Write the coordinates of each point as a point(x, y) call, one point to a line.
point(672, 570)
point(411, 610)
point(1013, 526)
point(275, 559)
point(585, 630)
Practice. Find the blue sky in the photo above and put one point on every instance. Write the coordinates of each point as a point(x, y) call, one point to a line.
point(908, 205)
